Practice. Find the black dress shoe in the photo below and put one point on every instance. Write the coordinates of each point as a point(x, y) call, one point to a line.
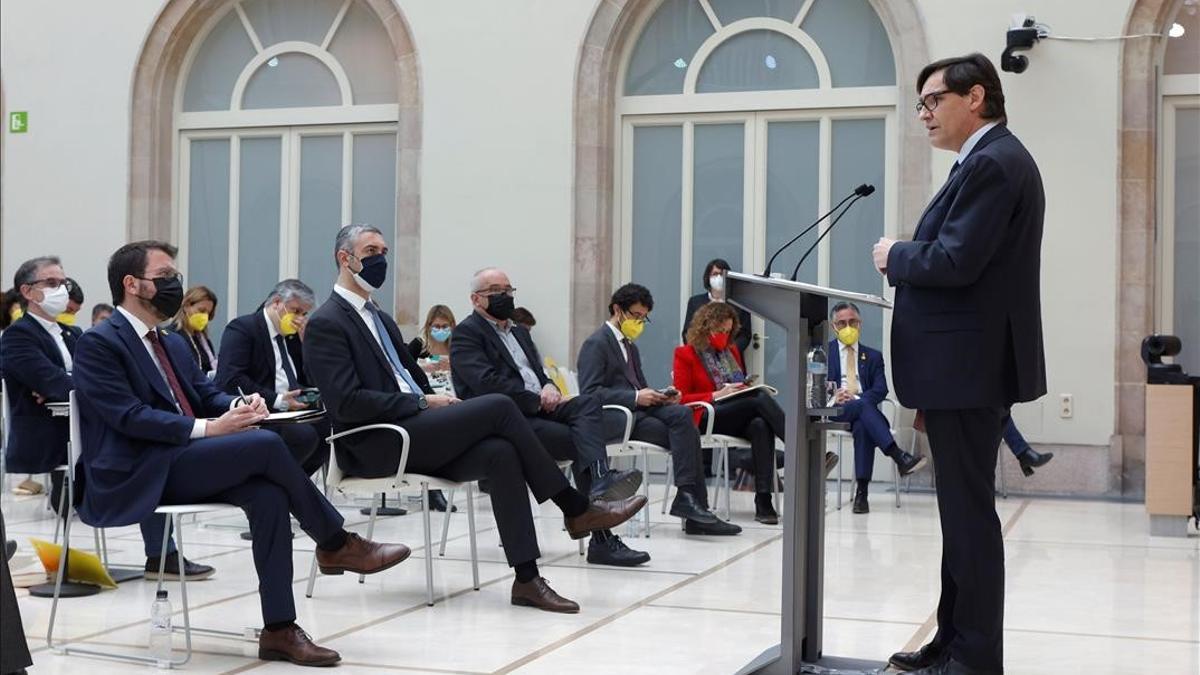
point(606, 548)
point(764, 510)
point(930, 655)
point(717, 528)
point(437, 502)
point(686, 506)
point(1031, 459)
point(860, 502)
point(616, 486)
point(908, 463)
point(193, 571)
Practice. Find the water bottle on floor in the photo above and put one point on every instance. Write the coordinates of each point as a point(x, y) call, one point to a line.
point(818, 367)
point(160, 629)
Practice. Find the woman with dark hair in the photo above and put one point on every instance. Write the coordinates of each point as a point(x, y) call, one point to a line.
point(714, 274)
point(709, 368)
point(198, 308)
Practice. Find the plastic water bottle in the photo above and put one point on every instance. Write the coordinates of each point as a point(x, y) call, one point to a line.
point(160, 630)
point(818, 367)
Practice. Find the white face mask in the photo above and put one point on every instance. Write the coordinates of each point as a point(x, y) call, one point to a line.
point(716, 283)
point(54, 302)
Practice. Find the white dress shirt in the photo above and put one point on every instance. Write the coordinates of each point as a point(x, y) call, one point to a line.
point(620, 338)
point(972, 141)
point(200, 426)
point(55, 332)
point(359, 304)
point(281, 378)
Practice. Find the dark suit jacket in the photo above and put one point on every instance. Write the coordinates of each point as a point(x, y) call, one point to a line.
point(130, 425)
point(198, 354)
point(741, 339)
point(602, 371)
point(357, 384)
point(480, 363)
point(37, 442)
point(872, 378)
point(247, 358)
point(967, 324)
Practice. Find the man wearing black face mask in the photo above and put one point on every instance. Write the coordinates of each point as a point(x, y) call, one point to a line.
point(156, 431)
point(359, 361)
point(490, 354)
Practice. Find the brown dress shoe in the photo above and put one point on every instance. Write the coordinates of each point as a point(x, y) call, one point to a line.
point(293, 644)
point(604, 516)
point(361, 556)
point(537, 593)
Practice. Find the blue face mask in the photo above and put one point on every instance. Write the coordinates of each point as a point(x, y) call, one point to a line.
point(439, 334)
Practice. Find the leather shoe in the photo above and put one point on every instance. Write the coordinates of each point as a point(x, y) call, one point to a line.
point(860, 502)
point(1031, 459)
point(193, 571)
point(952, 667)
point(764, 510)
point(604, 516)
point(294, 645)
point(907, 463)
point(361, 556)
point(437, 502)
point(931, 654)
point(616, 485)
point(606, 548)
point(537, 593)
point(688, 507)
point(718, 528)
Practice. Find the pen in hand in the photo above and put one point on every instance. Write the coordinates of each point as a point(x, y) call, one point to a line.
point(241, 396)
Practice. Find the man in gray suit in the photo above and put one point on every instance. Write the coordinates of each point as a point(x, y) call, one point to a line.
point(610, 370)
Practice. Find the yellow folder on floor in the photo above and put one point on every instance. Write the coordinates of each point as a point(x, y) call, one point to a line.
point(82, 567)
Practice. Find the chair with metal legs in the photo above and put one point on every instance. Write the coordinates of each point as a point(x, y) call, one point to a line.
point(628, 447)
point(890, 412)
point(403, 481)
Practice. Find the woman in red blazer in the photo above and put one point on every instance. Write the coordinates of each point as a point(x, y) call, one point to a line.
point(710, 367)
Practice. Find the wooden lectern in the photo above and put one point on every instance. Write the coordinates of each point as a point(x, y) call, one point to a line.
point(802, 309)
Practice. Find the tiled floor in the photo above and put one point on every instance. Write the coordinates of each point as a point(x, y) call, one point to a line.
point(1089, 591)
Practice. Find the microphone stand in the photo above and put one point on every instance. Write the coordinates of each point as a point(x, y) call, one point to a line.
point(796, 270)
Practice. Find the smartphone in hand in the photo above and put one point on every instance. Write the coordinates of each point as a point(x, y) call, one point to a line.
point(669, 392)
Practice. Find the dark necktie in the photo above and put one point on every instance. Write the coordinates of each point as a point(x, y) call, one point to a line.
point(630, 369)
point(953, 170)
point(172, 381)
point(287, 362)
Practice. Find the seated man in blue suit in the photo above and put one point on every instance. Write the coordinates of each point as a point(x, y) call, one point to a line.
point(156, 431)
point(260, 353)
point(859, 391)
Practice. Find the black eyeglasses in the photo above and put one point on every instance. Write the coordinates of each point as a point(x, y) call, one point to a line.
point(930, 101)
point(54, 283)
point(496, 290)
point(178, 276)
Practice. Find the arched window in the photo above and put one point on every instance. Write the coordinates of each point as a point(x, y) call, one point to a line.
point(287, 129)
point(741, 122)
point(1179, 237)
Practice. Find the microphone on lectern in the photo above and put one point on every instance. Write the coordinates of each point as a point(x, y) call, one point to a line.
point(859, 192)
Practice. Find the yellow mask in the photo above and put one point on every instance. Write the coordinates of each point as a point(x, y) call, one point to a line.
point(16, 312)
point(848, 335)
point(198, 321)
point(632, 328)
point(66, 318)
point(287, 324)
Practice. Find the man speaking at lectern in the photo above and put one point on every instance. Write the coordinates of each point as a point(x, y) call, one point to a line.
point(967, 343)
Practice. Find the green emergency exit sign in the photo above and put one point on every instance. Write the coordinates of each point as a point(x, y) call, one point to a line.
point(18, 122)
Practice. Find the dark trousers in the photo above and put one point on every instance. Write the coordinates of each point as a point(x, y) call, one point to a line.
point(151, 525)
point(757, 418)
point(14, 651)
point(488, 438)
point(574, 431)
point(870, 430)
point(970, 612)
point(671, 427)
point(255, 471)
point(306, 442)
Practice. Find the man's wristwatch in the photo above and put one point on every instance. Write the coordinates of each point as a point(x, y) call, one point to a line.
point(422, 402)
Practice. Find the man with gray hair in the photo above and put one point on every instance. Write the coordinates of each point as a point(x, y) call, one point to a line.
point(261, 353)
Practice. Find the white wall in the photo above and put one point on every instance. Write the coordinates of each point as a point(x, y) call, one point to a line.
point(66, 180)
point(497, 84)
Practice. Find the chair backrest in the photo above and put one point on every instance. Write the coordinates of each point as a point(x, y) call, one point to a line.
point(4, 414)
point(890, 411)
point(75, 434)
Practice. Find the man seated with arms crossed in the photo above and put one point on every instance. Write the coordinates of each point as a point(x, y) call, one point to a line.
point(861, 385)
point(40, 356)
point(156, 431)
point(366, 375)
point(261, 353)
point(610, 369)
point(490, 354)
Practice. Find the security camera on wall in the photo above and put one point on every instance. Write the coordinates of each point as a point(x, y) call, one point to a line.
point(1021, 37)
